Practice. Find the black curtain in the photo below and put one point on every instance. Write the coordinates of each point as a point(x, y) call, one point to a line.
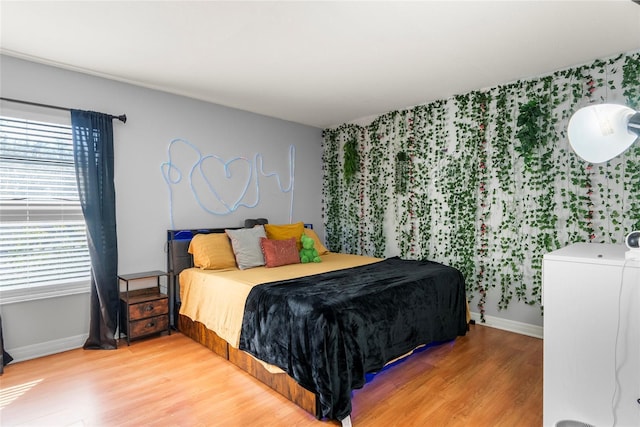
point(93, 154)
point(5, 357)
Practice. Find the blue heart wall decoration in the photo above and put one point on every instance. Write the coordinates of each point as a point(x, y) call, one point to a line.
point(221, 186)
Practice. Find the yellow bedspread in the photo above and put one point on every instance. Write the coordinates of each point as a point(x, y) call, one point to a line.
point(217, 298)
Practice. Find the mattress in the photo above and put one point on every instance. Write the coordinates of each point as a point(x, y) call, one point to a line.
point(216, 298)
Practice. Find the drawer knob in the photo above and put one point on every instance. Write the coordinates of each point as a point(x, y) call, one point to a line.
point(151, 324)
point(148, 307)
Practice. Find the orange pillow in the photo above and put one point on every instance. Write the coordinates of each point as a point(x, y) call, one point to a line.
point(317, 244)
point(279, 252)
point(285, 231)
point(212, 251)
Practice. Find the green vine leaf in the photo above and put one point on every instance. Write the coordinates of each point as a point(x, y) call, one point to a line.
point(402, 172)
point(351, 160)
point(530, 125)
point(484, 182)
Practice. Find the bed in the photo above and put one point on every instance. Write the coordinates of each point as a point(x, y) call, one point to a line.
point(311, 331)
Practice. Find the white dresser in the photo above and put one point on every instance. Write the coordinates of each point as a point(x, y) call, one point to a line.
point(591, 299)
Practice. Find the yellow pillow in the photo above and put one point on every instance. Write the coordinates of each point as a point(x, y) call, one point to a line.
point(316, 241)
point(212, 251)
point(285, 231)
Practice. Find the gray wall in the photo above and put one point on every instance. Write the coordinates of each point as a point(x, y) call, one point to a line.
point(155, 118)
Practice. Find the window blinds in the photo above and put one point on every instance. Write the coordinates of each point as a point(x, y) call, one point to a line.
point(42, 231)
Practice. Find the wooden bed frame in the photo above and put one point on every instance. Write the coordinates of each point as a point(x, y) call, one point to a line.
point(282, 383)
point(177, 260)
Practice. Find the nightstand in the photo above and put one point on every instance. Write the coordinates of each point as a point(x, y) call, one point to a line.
point(143, 311)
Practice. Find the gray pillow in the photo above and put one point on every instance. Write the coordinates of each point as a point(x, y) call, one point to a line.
point(246, 246)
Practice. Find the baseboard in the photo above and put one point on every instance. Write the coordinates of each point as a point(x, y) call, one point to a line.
point(33, 351)
point(28, 352)
point(510, 325)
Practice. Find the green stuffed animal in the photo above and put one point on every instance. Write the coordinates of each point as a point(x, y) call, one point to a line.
point(308, 253)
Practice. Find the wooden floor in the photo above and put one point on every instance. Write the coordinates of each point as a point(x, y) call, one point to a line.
point(487, 378)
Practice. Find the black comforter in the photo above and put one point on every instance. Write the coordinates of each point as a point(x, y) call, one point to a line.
point(328, 330)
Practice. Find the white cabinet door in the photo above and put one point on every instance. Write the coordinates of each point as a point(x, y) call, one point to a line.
point(591, 298)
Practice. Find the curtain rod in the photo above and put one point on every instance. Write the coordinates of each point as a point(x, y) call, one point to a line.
point(122, 117)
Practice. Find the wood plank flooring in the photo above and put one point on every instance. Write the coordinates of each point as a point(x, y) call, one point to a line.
point(487, 378)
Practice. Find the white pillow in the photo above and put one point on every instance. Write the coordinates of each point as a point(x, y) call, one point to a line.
point(246, 246)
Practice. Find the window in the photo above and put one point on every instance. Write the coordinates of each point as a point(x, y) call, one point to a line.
point(43, 244)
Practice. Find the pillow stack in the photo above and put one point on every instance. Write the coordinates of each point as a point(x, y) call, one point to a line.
point(263, 245)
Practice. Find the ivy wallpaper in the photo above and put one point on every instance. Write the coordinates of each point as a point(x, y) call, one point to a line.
point(485, 181)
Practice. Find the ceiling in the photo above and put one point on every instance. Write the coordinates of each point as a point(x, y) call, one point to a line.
point(318, 63)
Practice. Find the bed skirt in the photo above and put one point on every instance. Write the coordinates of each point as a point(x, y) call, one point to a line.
point(280, 382)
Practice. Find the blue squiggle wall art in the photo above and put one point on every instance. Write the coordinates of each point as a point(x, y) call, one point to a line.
point(242, 170)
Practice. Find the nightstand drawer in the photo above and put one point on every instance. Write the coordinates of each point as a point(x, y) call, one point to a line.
point(148, 309)
point(149, 326)
point(145, 310)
